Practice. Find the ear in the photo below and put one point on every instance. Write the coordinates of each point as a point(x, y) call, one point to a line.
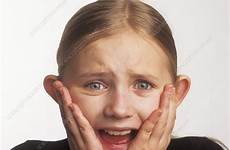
point(48, 85)
point(182, 86)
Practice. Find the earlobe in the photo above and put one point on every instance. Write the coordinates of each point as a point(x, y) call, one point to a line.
point(48, 85)
point(182, 87)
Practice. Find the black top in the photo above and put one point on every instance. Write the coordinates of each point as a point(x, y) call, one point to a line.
point(185, 143)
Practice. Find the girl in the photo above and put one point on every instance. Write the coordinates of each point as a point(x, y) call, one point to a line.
point(118, 87)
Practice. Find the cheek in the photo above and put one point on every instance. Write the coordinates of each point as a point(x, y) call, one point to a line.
point(90, 106)
point(148, 105)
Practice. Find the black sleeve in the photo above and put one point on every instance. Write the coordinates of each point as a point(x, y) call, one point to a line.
point(185, 143)
point(30, 145)
point(43, 145)
point(193, 143)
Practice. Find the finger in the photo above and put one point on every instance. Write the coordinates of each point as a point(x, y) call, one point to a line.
point(87, 132)
point(164, 101)
point(164, 105)
point(166, 137)
point(58, 85)
point(147, 127)
point(67, 116)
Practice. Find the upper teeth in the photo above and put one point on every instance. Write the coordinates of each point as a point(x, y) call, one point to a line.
point(117, 132)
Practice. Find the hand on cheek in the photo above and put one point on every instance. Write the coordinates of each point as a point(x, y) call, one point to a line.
point(155, 132)
point(80, 134)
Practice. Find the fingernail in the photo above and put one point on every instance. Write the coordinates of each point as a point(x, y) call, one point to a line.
point(171, 89)
point(61, 91)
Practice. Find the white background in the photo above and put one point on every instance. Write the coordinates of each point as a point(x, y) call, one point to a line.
point(31, 33)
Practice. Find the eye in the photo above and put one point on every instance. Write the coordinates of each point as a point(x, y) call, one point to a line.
point(95, 86)
point(142, 84)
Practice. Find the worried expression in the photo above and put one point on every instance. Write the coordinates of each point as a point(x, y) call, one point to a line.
point(117, 82)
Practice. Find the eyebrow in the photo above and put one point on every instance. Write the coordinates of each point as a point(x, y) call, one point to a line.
point(95, 74)
point(148, 76)
point(111, 74)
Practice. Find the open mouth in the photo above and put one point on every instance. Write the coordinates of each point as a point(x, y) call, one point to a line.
point(116, 138)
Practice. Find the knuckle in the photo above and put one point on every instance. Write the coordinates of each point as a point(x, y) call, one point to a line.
point(147, 131)
point(68, 121)
point(82, 128)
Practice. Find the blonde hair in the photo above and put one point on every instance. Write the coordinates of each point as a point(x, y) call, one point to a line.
point(107, 17)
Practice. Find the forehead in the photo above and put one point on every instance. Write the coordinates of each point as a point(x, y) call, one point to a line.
point(120, 53)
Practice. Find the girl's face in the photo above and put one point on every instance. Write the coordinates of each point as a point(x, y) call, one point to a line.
point(117, 81)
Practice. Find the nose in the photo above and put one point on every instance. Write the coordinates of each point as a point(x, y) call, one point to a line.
point(119, 106)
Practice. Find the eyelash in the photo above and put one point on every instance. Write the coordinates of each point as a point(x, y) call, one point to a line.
point(93, 83)
point(140, 81)
point(148, 83)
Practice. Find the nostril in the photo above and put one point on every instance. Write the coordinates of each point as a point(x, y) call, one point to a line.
point(118, 112)
point(118, 105)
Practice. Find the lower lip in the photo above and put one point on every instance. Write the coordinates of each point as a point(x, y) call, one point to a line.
point(115, 142)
